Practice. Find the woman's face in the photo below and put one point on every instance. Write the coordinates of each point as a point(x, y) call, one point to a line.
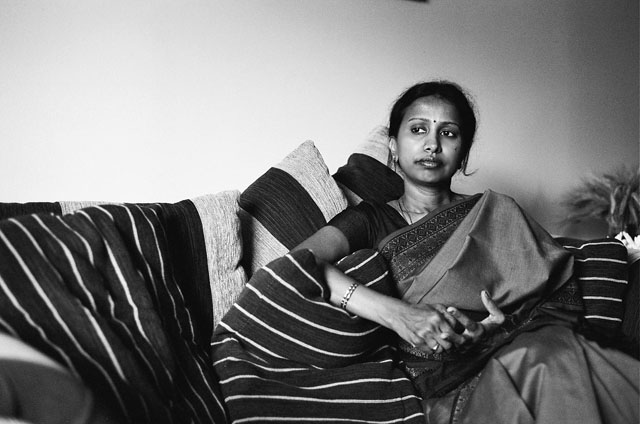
point(429, 145)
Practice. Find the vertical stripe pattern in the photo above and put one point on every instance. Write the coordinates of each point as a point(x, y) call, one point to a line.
point(96, 290)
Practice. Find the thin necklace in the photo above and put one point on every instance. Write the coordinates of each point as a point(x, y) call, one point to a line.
point(404, 210)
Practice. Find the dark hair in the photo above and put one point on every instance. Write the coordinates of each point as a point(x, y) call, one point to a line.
point(445, 90)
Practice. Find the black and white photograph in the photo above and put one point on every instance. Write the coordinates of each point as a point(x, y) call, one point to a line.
point(319, 211)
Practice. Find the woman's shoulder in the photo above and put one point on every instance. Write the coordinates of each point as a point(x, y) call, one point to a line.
point(376, 204)
point(488, 193)
point(497, 200)
point(369, 206)
point(496, 196)
point(373, 212)
point(377, 208)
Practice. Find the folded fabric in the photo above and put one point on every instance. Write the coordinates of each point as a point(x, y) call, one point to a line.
point(497, 248)
point(96, 291)
point(284, 353)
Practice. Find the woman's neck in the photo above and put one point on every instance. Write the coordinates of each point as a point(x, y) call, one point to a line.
point(424, 200)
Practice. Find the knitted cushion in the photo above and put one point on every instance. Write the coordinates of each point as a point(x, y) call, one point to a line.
point(286, 205)
point(368, 173)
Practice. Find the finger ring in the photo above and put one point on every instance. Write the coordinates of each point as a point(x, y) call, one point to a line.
point(435, 347)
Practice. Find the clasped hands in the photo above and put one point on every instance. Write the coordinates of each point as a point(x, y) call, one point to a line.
point(433, 327)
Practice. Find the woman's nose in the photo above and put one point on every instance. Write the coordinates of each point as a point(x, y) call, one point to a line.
point(431, 142)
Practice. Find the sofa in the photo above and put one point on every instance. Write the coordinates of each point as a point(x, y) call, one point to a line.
point(107, 310)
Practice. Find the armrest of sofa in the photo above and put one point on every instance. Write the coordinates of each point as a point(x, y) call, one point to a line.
point(34, 388)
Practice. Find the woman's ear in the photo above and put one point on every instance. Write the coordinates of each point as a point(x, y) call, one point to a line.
point(393, 147)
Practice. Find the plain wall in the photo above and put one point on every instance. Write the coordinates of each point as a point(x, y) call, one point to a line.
point(163, 100)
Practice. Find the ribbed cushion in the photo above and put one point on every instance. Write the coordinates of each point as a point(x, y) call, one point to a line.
point(223, 243)
point(287, 204)
point(368, 173)
point(601, 271)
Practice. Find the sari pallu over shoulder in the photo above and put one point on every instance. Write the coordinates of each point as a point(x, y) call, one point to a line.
point(483, 242)
point(410, 249)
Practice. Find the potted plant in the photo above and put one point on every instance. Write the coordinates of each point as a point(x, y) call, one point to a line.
point(612, 197)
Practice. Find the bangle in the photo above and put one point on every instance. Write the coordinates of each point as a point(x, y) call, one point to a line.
point(347, 295)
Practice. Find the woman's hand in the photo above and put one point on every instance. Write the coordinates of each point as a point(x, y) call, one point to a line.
point(474, 331)
point(427, 327)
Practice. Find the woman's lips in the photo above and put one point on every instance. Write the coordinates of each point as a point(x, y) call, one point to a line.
point(428, 163)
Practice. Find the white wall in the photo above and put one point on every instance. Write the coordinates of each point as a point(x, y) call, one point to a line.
point(164, 100)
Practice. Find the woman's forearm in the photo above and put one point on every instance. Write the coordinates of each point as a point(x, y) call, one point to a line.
point(364, 302)
point(424, 326)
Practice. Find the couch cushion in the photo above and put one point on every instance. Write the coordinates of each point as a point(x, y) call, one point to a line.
point(220, 222)
point(369, 173)
point(601, 271)
point(287, 204)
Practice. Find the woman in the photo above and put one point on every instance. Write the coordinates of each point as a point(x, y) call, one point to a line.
point(431, 131)
point(472, 276)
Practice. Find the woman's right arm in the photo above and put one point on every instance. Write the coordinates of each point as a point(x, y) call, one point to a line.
point(424, 326)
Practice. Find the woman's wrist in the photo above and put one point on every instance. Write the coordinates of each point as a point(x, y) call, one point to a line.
point(389, 310)
point(347, 295)
point(360, 300)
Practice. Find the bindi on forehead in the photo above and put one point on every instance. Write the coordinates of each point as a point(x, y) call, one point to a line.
point(435, 121)
point(433, 109)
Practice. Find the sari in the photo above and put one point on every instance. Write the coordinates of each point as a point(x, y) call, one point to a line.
point(486, 242)
point(284, 353)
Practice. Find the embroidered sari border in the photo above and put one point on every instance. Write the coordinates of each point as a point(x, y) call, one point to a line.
point(410, 249)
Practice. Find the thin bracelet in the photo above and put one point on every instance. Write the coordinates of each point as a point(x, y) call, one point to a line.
point(347, 295)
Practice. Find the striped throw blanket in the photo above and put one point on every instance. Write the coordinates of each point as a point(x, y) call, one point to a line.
point(98, 291)
point(326, 366)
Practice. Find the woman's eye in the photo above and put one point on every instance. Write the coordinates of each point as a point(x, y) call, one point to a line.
point(448, 133)
point(418, 130)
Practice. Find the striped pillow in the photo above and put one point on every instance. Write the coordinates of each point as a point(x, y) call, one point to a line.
point(369, 173)
point(286, 205)
point(601, 271)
